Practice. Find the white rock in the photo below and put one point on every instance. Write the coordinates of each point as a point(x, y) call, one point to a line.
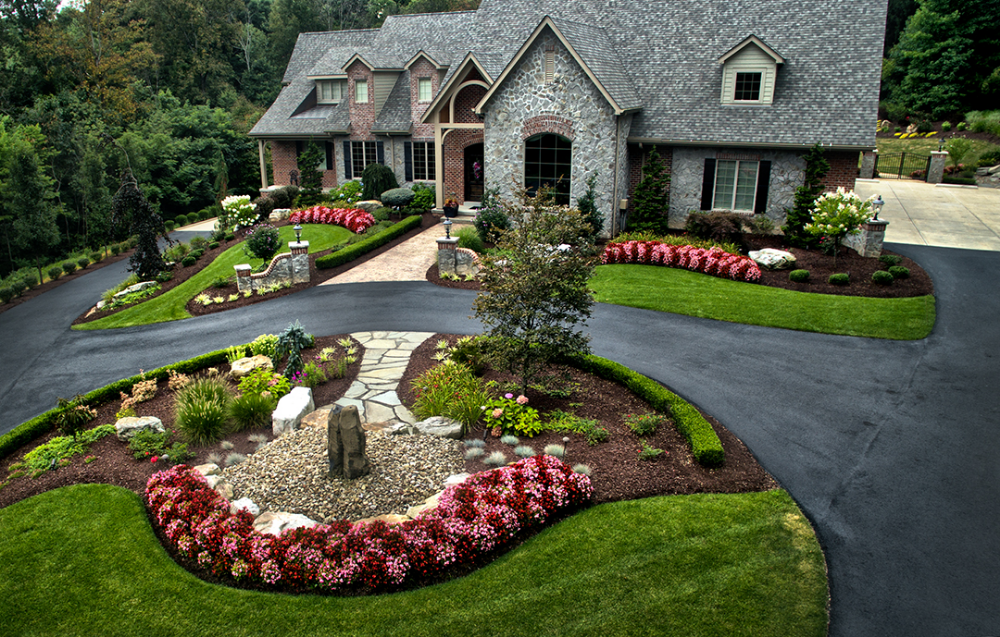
point(773, 259)
point(138, 287)
point(279, 214)
point(244, 503)
point(209, 469)
point(440, 426)
point(213, 480)
point(275, 522)
point(291, 408)
point(130, 426)
point(428, 505)
point(225, 490)
point(456, 478)
point(244, 366)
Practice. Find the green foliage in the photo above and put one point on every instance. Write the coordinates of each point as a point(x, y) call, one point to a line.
point(452, 390)
point(146, 445)
point(805, 199)
point(290, 344)
point(837, 215)
point(311, 375)
point(468, 237)
point(958, 148)
point(132, 214)
point(310, 178)
point(83, 262)
point(349, 192)
point(6, 293)
point(946, 126)
point(423, 196)
point(512, 417)
point(491, 222)
point(397, 197)
point(189, 260)
point(202, 409)
point(989, 158)
point(534, 293)
point(798, 276)
point(882, 277)
point(181, 220)
point(72, 415)
point(252, 410)
point(265, 345)
point(48, 456)
point(841, 278)
point(262, 241)
point(718, 226)
point(377, 178)
point(587, 205)
point(69, 267)
point(649, 453)
point(221, 282)
point(263, 380)
point(382, 214)
point(55, 272)
point(369, 243)
point(899, 272)
point(890, 259)
point(645, 424)
point(650, 197)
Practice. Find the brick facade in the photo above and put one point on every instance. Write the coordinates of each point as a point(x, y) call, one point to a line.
point(465, 101)
point(547, 124)
point(362, 115)
point(454, 160)
point(284, 160)
point(422, 69)
point(843, 170)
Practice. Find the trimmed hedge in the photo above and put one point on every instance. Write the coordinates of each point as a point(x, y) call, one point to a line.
point(354, 251)
point(705, 444)
point(44, 423)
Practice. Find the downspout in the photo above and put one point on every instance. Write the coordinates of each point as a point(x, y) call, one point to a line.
point(614, 193)
point(263, 164)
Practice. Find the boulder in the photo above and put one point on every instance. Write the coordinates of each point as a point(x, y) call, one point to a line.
point(369, 206)
point(428, 505)
point(317, 418)
point(130, 426)
point(456, 478)
point(390, 518)
point(346, 441)
point(214, 480)
point(209, 469)
point(275, 522)
point(439, 426)
point(244, 503)
point(138, 287)
point(773, 259)
point(291, 408)
point(279, 214)
point(244, 366)
point(225, 490)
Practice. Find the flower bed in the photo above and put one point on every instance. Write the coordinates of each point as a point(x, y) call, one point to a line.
point(354, 219)
point(714, 261)
point(473, 518)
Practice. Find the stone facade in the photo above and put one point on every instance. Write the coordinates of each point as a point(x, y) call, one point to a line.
point(869, 239)
point(285, 268)
point(525, 99)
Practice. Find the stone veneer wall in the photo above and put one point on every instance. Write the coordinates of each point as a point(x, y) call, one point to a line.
point(286, 267)
point(570, 96)
point(688, 168)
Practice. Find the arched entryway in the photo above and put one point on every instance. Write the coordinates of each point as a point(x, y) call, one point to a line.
point(548, 161)
point(475, 172)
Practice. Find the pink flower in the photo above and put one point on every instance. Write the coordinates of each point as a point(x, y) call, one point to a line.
point(154, 459)
point(508, 396)
point(522, 400)
point(497, 412)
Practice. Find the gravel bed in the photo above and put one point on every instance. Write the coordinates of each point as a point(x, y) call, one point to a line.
point(290, 474)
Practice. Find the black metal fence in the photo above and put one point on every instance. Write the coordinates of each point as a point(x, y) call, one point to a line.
point(902, 166)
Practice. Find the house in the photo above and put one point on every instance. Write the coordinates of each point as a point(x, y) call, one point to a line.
point(529, 92)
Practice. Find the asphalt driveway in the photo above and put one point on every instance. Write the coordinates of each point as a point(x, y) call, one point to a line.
point(891, 448)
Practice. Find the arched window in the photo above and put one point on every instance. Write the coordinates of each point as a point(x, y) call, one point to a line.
point(548, 160)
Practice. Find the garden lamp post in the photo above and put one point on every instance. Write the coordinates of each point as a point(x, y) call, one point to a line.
point(877, 205)
point(447, 228)
point(298, 233)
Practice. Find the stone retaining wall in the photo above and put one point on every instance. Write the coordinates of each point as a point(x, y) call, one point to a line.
point(284, 268)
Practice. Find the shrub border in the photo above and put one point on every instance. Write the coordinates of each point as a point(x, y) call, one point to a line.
point(705, 444)
point(351, 252)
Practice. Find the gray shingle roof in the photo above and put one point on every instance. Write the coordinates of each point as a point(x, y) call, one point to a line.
point(396, 115)
point(660, 55)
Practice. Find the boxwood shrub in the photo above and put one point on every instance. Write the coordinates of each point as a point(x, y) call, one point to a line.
point(55, 272)
point(354, 251)
point(83, 262)
point(181, 220)
point(6, 294)
point(890, 259)
point(899, 272)
point(189, 260)
point(882, 277)
point(69, 267)
point(841, 278)
point(798, 276)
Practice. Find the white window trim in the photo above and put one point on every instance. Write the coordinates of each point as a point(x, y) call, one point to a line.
point(340, 84)
point(732, 199)
point(430, 89)
point(760, 87)
point(357, 85)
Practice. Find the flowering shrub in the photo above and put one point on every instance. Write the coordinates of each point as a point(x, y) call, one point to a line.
point(237, 211)
point(712, 261)
point(481, 515)
point(262, 241)
point(512, 415)
point(838, 214)
point(354, 219)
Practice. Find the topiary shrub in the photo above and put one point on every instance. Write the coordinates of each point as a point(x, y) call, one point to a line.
point(83, 262)
point(263, 206)
point(55, 272)
point(841, 278)
point(284, 197)
point(181, 220)
point(213, 245)
point(189, 260)
point(890, 259)
point(397, 197)
point(882, 277)
point(6, 294)
point(197, 254)
point(69, 267)
point(169, 226)
point(899, 272)
point(798, 276)
point(377, 179)
point(95, 257)
point(116, 249)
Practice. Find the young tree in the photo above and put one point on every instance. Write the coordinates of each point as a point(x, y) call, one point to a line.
point(132, 214)
point(651, 199)
point(837, 215)
point(534, 289)
point(588, 207)
point(805, 198)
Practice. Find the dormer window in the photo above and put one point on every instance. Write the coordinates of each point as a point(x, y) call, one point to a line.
point(330, 91)
point(424, 89)
point(361, 91)
point(749, 72)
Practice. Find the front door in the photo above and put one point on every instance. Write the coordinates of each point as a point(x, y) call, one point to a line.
point(474, 172)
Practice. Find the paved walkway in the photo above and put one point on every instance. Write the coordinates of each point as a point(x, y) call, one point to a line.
point(408, 261)
point(937, 215)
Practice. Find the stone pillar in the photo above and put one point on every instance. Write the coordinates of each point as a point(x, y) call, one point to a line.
point(446, 256)
point(868, 242)
point(868, 164)
point(300, 261)
point(935, 174)
point(243, 282)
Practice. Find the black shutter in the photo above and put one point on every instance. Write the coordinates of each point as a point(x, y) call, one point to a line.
point(407, 161)
point(708, 184)
point(348, 160)
point(380, 152)
point(298, 149)
point(329, 155)
point(763, 181)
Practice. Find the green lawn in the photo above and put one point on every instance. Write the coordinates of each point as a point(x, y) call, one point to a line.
point(694, 294)
point(170, 306)
point(83, 560)
point(924, 145)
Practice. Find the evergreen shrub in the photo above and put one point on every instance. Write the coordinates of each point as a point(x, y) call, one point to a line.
point(69, 267)
point(841, 278)
point(899, 272)
point(377, 178)
point(882, 277)
point(55, 272)
point(798, 276)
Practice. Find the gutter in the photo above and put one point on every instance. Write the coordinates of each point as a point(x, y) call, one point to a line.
point(805, 146)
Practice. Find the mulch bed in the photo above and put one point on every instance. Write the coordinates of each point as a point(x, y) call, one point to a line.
point(820, 267)
point(114, 463)
point(317, 276)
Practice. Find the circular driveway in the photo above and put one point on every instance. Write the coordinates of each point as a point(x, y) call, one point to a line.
point(891, 448)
